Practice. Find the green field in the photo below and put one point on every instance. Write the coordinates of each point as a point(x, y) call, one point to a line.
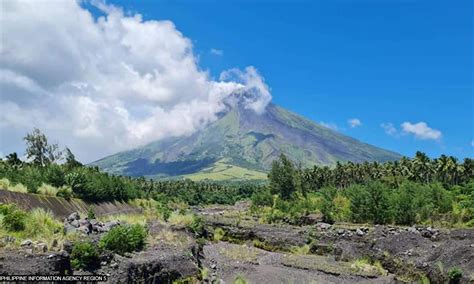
point(222, 171)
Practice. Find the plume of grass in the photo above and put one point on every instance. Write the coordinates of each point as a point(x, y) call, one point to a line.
point(47, 189)
point(126, 218)
point(5, 184)
point(182, 220)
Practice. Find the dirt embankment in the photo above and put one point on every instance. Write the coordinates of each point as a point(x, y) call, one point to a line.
point(61, 207)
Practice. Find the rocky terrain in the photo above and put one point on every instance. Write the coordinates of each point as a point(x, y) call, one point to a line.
point(264, 253)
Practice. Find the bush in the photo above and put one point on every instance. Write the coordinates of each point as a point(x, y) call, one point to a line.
point(65, 192)
point(218, 234)
point(14, 219)
point(125, 238)
point(262, 198)
point(84, 255)
point(197, 226)
point(40, 222)
point(454, 275)
point(47, 189)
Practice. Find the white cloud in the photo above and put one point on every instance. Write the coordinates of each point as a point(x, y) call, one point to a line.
point(107, 84)
point(389, 128)
point(354, 122)
point(472, 143)
point(421, 130)
point(218, 52)
point(329, 125)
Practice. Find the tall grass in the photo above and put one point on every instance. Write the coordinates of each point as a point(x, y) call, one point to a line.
point(47, 189)
point(5, 184)
point(126, 218)
point(181, 220)
point(40, 225)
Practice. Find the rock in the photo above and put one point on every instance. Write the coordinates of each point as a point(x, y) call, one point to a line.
point(94, 222)
point(68, 229)
point(41, 247)
point(84, 230)
point(324, 226)
point(109, 225)
point(67, 246)
point(312, 219)
point(359, 232)
point(113, 265)
point(26, 243)
point(84, 223)
point(75, 223)
point(9, 239)
point(55, 243)
point(73, 216)
point(340, 231)
point(213, 266)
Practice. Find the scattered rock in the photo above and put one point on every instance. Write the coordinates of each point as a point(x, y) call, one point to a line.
point(26, 243)
point(41, 247)
point(359, 232)
point(324, 226)
point(73, 216)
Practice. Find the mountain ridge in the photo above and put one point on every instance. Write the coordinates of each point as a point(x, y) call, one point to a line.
point(241, 138)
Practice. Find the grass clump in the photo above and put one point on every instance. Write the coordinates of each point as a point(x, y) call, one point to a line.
point(181, 220)
point(218, 234)
point(5, 184)
point(124, 238)
point(126, 218)
point(368, 266)
point(14, 219)
point(303, 250)
point(240, 280)
point(41, 223)
point(454, 275)
point(47, 189)
point(84, 255)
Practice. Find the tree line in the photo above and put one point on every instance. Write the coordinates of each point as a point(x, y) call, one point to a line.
point(404, 192)
point(47, 164)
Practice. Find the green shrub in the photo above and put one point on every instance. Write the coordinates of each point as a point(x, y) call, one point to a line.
point(40, 222)
point(14, 219)
point(85, 255)
point(47, 189)
point(125, 238)
point(90, 213)
point(197, 226)
point(262, 198)
point(218, 234)
point(454, 275)
point(65, 192)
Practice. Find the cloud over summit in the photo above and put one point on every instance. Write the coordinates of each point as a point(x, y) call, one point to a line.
point(107, 84)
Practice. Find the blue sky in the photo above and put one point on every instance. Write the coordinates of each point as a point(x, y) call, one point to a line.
point(377, 61)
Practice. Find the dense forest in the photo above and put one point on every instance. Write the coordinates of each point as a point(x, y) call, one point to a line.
point(402, 192)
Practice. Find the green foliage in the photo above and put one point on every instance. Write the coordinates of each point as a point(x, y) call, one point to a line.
point(14, 219)
point(39, 150)
point(197, 226)
point(65, 192)
point(239, 279)
point(262, 197)
point(90, 213)
point(124, 238)
point(282, 177)
point(454, 275)
point(85, 255)
point(218, 234)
